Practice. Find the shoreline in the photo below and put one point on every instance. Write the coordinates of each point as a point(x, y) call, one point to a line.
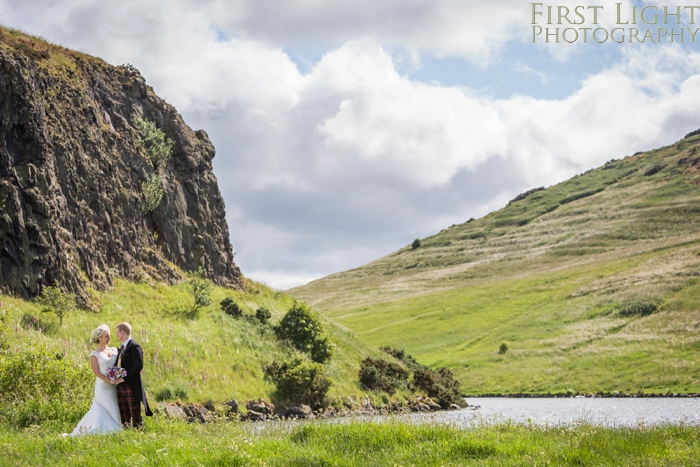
point(585, 395)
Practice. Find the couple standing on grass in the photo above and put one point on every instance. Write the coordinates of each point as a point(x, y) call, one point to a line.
point(118, 388)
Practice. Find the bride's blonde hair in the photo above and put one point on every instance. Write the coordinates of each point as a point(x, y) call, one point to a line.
point(101, 330)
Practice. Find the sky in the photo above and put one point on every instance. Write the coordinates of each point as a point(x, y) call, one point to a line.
point(346, 129)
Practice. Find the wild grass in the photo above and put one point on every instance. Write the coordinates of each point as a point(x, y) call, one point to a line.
point(561, 275)
point(366, 444)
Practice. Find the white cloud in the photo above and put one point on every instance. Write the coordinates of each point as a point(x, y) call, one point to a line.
point(325, 170)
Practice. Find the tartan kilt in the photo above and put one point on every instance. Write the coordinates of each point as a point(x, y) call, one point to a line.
point(129, 406)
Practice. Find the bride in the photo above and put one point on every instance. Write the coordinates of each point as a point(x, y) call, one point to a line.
point(103, 416)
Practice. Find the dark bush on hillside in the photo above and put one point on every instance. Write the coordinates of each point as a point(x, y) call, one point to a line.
point(503, 348)
point(263, 314)
point(299, 381)
point(654, 170)
point(38, 386)
point(380, 375)
point(415, 244)
point(304, 330)
point(231, 308)
point(439, 385)
point(692, 133)
point(640, 306)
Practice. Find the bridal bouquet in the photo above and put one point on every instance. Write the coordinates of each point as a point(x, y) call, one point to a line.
point(115, 372)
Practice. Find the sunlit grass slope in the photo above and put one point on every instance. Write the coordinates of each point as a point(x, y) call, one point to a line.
point(211, 355)
point(554, 275)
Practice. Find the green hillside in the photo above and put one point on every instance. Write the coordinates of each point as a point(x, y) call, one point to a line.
point(591, 283)
point(210, 355)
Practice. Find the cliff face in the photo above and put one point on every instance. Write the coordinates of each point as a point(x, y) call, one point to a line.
point(71, 168)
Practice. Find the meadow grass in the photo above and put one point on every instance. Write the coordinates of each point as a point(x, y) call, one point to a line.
point(357, 443)
point(549, 275)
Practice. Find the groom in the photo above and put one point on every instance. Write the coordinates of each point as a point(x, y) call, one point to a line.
point(130, 393)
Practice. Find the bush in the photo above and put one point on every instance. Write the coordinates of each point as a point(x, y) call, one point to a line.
point(53, 300)
point(181, 392)
point(153, 142)
point(200, 288)
point(38, 386)
point(164, 394)
point(439, 385)
point(415, 244)
point(380, 375)
point(503, 348)
point(152, 193)
point(3, 327)
point(263, 314)
point(640, 306)
point(299, 381)
point(231, 308)
point(304, 330)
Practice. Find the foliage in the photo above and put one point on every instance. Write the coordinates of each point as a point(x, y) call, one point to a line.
point(503, 348)
point(53, 300)
point(152, 140)
point(439, 385)
point(3, 327)
point(304, 330)
point(640, 306)
point(381, 375)
point(299, 381)
point(170, 392)
point(38, 386)
point(200, 288)
point(415, 244)
point(152, 193)
point(231, 308)
point(263, 314)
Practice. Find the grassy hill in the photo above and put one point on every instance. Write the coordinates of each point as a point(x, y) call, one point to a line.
point(591, 283)
point(212, 356)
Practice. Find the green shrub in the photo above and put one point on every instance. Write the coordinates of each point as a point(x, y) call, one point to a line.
point(38, 386)
point(54, 300)
point(152, 193)
point(503, 348)
point(415, 244)
point(153, 142)
point(304, 330)
point(439, 385)
point(181, 392)
point(640, 306)
point(299, 381)
point(3, 327)
point(380, 375)
point(200, 288)
point(263, 314)
point(164, 394)
point(231, 308)
point(169, 392)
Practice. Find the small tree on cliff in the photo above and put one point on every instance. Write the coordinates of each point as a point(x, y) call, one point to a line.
point(155, 145)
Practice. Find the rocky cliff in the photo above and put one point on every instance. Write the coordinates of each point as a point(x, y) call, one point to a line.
point(71, 173)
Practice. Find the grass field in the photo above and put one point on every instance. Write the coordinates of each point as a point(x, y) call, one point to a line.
point(363, 444)
point(554, 275)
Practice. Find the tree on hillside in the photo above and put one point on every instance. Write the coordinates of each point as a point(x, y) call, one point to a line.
point(54, 300)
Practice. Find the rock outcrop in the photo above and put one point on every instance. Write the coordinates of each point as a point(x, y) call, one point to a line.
point(71, 168)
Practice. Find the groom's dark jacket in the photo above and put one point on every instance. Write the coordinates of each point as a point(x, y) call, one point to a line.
point(132, 362)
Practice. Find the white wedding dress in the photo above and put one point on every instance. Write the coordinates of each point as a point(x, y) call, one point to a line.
point(103, 416)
